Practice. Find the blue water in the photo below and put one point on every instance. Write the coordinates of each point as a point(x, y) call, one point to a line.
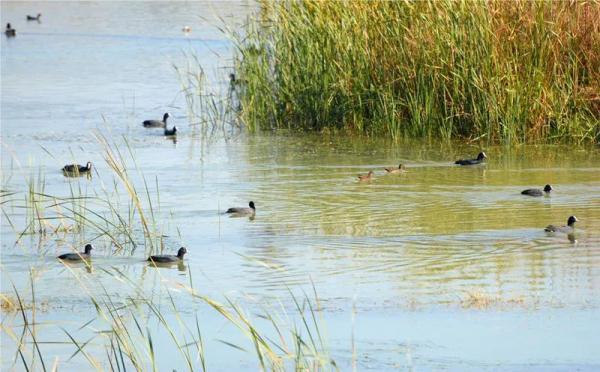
point(394, 262)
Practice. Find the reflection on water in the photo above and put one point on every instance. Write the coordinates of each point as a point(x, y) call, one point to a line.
point(403, 250)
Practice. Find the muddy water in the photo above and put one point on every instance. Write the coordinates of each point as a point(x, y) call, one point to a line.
point(442, 267)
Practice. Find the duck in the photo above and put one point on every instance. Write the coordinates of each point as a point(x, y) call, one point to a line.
point(569, 229)
point(480, 158)
point(157, 123)
point(76, 169)
point(80, 256)
point(163, 258)
point(171, 132)
point(10, 31)
point(538, 192)
point(368, 177)
point(186, 29)
point(401, 169)
point(251, 210)
point(32, 18)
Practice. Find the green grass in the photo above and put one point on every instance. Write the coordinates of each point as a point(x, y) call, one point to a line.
point(496, 71)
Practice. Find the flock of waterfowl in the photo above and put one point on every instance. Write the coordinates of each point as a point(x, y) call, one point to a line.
point(76, 170)
point(480, 159)
point(11, 32)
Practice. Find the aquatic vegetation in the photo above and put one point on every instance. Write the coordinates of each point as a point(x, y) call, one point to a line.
point(493, 71)
point(124, 329)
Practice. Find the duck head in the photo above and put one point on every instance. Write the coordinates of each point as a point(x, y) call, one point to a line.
point(251, 205)
point(88, 248)
point(481, 156)
point(548, 188)
point(571, 221)
point(166, 116)
point(89, 165)
point(181, 252)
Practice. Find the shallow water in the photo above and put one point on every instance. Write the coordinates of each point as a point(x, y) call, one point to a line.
point(442, 267)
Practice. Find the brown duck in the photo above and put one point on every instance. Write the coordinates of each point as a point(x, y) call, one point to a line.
point(368, 177)
point(401, 169)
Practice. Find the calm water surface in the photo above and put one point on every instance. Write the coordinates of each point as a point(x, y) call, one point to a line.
point(397, 262)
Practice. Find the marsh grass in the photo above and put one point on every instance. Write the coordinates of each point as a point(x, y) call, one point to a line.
point(122, 333)
point(493, 71)
point(211, 107)
point(123, 210)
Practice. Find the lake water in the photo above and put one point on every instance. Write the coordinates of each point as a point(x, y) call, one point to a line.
point(442, 267)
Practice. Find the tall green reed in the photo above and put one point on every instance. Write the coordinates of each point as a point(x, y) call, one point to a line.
point(508, 72)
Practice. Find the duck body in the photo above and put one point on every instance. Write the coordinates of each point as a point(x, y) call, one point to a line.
point(85, 255)
point(157, 123)
point(569, 229)
point(10, 32)
point(166, 258)
point(76, 169)
point(401, 169)
point(171, 132)
point(368, 177)
point(538, 192)
point(480, 159)
point(243, 211)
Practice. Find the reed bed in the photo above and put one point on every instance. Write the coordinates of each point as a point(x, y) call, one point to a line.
point(494, 71)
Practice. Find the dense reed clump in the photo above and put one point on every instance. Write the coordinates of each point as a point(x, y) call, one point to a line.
point(512, 72)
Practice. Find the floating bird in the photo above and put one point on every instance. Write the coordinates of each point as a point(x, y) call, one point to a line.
point(157, 123)
point(10, 32)
point(186, 29)
point(401, 168)
point(480, 158)
point(32, 18)
point(76, 169)
point(243, 211)
point(537, 192)
point(86, 255)
point(171, 132)
point(368, 177)
point(570, 228)
point(162, 258)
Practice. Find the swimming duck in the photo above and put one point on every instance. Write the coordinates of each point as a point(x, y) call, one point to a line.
point(32, 18)
point(570, 228)
point(186, 29)
point(537, 192)
point(161, 258)
point(480, 158)
point(401, 168)
point(157, 123)
point(171, 132)
point(368, 177)
point(10, 31)
point(76, 169)
point(243, 211)
point(85, 255)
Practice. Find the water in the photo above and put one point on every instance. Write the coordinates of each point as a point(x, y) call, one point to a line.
point(442, 267)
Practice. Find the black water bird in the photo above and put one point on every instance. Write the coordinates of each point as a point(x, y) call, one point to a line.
point(480, 158)
point(569, 229)
point(166, 258)
point(76, 169)
point(538, 192)
point(171, 132)
point(251, 210)
point(32, 18)
point(157, 123)
point(85, 255)
point(10, 32)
